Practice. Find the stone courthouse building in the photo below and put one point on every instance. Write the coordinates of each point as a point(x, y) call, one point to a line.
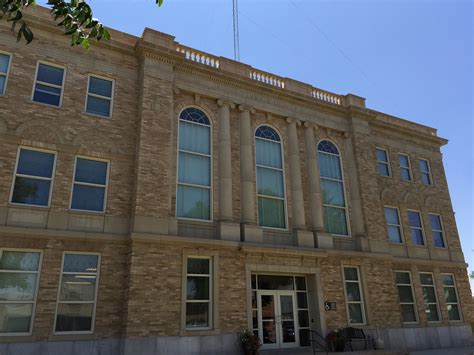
point(155, 199)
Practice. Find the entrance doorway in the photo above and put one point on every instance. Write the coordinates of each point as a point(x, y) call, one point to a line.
point(277, 319)
point(280, 311)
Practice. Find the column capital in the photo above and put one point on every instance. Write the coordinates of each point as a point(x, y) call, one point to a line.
point(246, 108)
point(310, 125)
point(221, 102)
point(292, 120)
point(347, 135)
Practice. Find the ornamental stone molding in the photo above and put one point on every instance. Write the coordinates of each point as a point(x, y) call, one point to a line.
point(221, 102)
point(47, 130)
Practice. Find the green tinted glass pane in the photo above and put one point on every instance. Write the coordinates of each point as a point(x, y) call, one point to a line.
point(350, 273)
point(402, 278)
point(355, 313)
point(453, 312)
point(74, 317)
point(431, 311)
point(408, 313)
point(448, 280)
point(197, 315)
point(15, 260)
point(450, 295)
point(300, 283)
point(426, 279)
point(271, 212)
point(198, 266)
point(335, 220)
point(302, 301)
point(17, 286)
point(15, 318)
point(303, 318)
point(80, 263)
point(429, 294)
point(197, 288)
point(353, 291)
point(333, 192)
point(77, 287)
point(405, 293)
point(275, 282)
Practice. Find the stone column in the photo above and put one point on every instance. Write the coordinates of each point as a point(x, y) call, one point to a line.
point(315, 201)
point(357, 217)
point(299, 221)
point(225, 228)
point(295, 175)
point(248, 198)
point(225, 161)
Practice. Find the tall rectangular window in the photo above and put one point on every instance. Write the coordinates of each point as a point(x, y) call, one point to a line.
point(193, 198)
point(198, 293)
point(383, 163)
point(425, 172)
point(437, 230)
point(90, 185)
point(332, 189)
point(4, 69)
point(406, 296)
point(416, 228)
point(19, 272)
point(451, 297)
point(49, 84)
point(33, 177)
point(100, 93)
point(429, 296)
point(405, 168)
point(77, 294)
point(270, 178)
point(354, 298)
point(394, 228)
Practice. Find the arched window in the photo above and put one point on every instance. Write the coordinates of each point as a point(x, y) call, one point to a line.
point(193, 198)
point(270, 181)
point(332, 189)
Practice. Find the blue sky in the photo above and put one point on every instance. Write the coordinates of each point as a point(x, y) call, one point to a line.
point(412, 59)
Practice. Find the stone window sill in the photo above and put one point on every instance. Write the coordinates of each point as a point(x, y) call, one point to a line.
point(185, 332)
point(71, 337)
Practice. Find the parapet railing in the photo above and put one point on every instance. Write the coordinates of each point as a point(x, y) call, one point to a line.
point(326, 96)
point(267, 78)
point(198, 56)
point(258, 75)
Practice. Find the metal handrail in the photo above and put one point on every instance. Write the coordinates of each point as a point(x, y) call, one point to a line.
point(318, 339)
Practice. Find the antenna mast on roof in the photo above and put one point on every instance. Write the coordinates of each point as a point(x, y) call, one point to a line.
point(235, 12)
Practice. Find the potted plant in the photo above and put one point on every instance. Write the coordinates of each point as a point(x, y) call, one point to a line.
point(335, 340)
point(250, 343)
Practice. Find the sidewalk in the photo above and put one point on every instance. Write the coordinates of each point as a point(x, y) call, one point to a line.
point(464, 350)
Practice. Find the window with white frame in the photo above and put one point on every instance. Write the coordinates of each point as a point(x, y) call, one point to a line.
point(77, 295)
point(198, 293)
point(383, 163)
point(451, 297)
point(33, 177)
point(406, 296)
point(405, 168)
point(354, 298)
point(437, 230)
point(5, 60)
point(90, 185)
point(19, 276)
point(270, 178)
point(425, 172)
point(430, 300)
point(394, 227)
point(49, 84)
point(100, 93)
point(194, 165)
point(416, 228)
point(332, 189)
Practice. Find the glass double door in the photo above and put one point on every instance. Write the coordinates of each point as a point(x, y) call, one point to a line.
point(277, 320)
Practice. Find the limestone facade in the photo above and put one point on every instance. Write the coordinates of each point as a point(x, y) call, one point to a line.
point(143, 245)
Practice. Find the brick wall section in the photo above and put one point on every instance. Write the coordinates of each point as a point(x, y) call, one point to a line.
point(111, 292)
